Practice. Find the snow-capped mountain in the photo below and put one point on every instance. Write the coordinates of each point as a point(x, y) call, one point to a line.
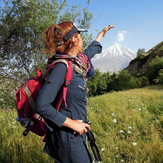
point(113, 59)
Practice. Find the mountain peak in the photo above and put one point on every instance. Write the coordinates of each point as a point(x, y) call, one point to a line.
point(116, 44)
point(115, 56)
point(115, 49)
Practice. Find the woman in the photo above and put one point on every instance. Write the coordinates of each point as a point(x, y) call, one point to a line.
point(62, 144)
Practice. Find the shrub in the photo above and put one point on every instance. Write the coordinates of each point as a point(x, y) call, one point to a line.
point(153, 69)
point(122, 81)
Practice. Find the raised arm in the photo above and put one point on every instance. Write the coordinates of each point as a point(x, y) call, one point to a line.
point(95, 47)
point(103, 32)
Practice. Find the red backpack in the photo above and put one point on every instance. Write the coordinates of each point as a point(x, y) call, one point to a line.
point(26, 97)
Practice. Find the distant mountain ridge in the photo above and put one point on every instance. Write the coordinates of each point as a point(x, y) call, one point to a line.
point(113, 59)
point(139, 64)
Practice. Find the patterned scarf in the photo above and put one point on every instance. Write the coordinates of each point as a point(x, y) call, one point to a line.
point(80, 63)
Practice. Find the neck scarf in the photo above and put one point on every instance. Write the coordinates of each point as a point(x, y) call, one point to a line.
point(80, 63)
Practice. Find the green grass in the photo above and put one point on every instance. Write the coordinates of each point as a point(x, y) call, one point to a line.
point(15, 148)
point(128, 127)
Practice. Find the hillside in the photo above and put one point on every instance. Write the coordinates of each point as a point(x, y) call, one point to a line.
point(139, 64)
point(127, 127)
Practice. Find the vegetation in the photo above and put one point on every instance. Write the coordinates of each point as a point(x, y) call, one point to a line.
point(105, 82)
point(160, 76)
point(21, 48)
point(143, 57)
point(127, 127)
point(140, 52)
point(144, 70)
point(22, 24)
point(154, 69)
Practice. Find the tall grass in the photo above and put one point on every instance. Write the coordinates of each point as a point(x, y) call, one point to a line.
point(128, 127)
point(16, 148)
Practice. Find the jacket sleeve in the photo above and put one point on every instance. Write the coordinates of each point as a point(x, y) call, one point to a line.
point(94, 48)
point(48, 94)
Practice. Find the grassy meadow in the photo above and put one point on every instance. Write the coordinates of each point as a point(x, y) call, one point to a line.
point(128, 127)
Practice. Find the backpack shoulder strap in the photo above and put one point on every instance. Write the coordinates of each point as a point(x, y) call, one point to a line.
point(52, 65)
point(68, 78)
point(59, 61)
point(65, 87)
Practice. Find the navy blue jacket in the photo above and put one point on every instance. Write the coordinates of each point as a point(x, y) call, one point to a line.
point(61, 143)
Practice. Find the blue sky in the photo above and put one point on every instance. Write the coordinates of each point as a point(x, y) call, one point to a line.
point(139, 23)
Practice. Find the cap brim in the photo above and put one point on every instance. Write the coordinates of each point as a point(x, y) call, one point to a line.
point(79, 29)
point(72, 32)
point(82, 30)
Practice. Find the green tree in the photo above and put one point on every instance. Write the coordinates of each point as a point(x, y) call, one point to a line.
point(140, 52)
point(22, 24)
point(98, 84)
point(160, 76)
point(93, 84)
point(142, 81)
point(112, 86)
point(159, 79)
point(122, 81)
point(154, 68)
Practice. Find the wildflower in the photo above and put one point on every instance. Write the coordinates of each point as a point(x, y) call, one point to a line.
point(122, 160)
point(102, 149)
point(113, 114)
point(157, 121)
point(129, 127)
point(99, 110)
point(116, 156)
point(129, 132)
point(121, 131)
point(134, 143)
point(114, 120)
point(116, 148)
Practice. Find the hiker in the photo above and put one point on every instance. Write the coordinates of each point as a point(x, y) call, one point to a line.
point(66, 139)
